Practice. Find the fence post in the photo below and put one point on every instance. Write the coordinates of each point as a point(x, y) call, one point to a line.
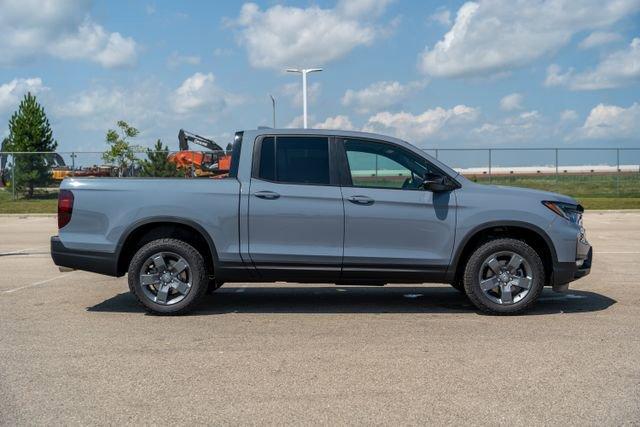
point(557, 177)
point(73, 163)
point(436, 154)
point(490, 166)
point(617, 171)
point(13, 177)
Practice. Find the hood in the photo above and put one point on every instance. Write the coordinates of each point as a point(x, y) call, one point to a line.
point(519, 191)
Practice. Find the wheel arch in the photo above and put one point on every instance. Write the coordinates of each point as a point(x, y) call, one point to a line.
point(141, 232)
point(531, 234)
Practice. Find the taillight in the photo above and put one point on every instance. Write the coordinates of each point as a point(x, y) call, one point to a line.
point(65, 207)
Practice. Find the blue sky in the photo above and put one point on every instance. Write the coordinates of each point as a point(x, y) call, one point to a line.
point(438, 74)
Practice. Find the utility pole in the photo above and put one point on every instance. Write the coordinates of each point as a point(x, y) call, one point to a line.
point(273, 106)
point(304, 72)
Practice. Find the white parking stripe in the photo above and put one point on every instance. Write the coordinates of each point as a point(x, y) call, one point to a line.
point(20, 251)
point(618, 253)
point(42, 282)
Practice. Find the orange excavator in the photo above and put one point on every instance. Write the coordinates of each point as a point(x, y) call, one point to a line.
point(212, 163)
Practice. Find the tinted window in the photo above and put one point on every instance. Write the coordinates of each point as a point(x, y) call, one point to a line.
point(303, 160)
point(295, 160)
point(374, 164)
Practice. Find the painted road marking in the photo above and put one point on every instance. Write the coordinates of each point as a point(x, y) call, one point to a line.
point(42, 282)
point(21, 251)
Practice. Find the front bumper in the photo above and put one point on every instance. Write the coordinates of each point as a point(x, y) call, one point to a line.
point(566, 272)
point(96, 262)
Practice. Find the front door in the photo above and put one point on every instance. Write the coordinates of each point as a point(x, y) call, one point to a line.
point(393, 227)
point(296, 218)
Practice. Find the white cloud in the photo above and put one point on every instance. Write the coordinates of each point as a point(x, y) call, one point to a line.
point(493, 36)
point(358, 8)
point(511, 102)
point(599, 38)
point(568, 115)
point(432, 122)
point(293, 91)
point(100, 107)
point(60, 28)
point(619, 68)
point(287, 36)
point(555, 77)
point(380, 95)
point(441, 16)
point(611, 122)
point(297, 122)
point(526, 126)
point(176, 59)
point(338, 122)
point(12, 92)
point(200, 93)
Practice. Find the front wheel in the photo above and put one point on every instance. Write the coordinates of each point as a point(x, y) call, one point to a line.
point(168, 276)
point(504, 276)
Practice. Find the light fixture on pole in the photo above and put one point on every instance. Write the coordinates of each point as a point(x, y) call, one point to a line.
point(304, 72)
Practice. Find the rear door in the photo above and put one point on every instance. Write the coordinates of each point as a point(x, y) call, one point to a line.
point(296, 217)
point(392, 224)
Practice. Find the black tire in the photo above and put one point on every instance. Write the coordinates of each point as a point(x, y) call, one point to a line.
point(197, 268)
point(472, 273)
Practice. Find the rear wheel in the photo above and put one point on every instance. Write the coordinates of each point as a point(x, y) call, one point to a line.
point(168, 276)
point(504, 276)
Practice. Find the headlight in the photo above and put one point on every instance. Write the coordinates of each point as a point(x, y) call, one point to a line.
point(568, 211)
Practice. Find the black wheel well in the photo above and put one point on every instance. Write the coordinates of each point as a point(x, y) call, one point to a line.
point(531, 237)
point(162, 230)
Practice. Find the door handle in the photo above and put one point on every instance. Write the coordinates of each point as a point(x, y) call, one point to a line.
point(361, 200)
point(268, 195)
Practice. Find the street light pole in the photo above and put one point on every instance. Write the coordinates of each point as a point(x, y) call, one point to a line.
point(273, 106)
point(304, 72)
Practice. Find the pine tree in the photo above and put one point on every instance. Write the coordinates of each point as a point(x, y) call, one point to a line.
point(120, 151)
point(157, 163)
point(29, 130)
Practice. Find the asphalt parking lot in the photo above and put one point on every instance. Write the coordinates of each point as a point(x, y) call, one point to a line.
point(75, 348)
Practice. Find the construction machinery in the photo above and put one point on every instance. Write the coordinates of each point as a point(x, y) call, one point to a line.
point(212, 163)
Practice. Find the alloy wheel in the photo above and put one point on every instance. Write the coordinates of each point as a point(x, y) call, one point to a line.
point(166, 278)
point(505, 277)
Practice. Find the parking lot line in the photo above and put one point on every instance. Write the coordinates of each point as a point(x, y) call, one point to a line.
point(21, 251)
point(42, 282)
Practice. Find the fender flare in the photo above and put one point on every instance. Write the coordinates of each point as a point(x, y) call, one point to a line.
point(494, 224)
point(167, 219)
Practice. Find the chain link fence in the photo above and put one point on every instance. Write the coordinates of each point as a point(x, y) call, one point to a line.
point(580, 172)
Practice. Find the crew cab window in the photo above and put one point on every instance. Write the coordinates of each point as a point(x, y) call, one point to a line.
point(382, 165)
point(295, 160)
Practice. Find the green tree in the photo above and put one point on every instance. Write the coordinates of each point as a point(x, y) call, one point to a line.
point(121, 152)
point(157, 163)
point(29, 130)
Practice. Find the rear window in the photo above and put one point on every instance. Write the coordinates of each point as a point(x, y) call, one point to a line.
point(295, 160)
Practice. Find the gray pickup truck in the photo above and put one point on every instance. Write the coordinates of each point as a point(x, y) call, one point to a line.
point(318, 206)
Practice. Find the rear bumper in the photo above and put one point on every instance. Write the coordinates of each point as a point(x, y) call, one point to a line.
point(96, 262)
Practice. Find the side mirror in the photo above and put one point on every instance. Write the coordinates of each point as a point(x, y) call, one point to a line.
point(436, 183)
